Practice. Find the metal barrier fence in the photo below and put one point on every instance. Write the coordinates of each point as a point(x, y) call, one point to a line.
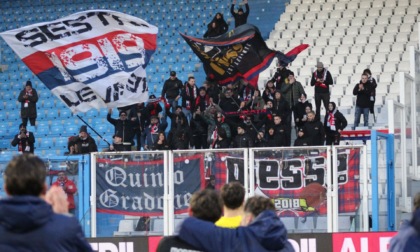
point(147, 193)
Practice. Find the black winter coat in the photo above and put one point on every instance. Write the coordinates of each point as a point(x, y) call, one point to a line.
point(314, 131)
point(363, 96)
point(340, 122)
point(28, 111)
point(239, 19)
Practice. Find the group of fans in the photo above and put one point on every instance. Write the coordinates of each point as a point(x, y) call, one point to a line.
point(236, 115)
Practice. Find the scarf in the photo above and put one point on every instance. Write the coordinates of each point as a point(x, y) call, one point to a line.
point(28, 93)
point(331, 120)
point(202, 102)
point(214, 136)
point(20, 146)
point(247, 93)
point(154, 128)
point(190, 97)
point(324, 77)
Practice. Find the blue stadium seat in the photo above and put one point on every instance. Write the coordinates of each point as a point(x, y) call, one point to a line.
point(102, 129)
point(8, 95)
point(50, 153)
point(163, 69)
point(71, 130)
point(91, 113)
point(3, 132)
point(103, 113)
point(51, 114)
point(55, 123)
point(189, 67)
point(13, 116)
point(177, 67)
point(184, 57)
point(155, 79)
point(42, 131)
point(5, 143)
point(65, 113)
point(56, 130)
point(50, 103)
point(46, 143)
point(61, 142)
point(41, 123)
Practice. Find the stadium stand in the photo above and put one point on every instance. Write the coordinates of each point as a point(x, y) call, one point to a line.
point(347, 36)
point(187, 16)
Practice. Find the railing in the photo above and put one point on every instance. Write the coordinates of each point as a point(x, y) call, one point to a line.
point(129, 188)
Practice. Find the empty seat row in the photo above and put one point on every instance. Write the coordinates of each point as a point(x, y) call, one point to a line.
point(406, 28)
point(294, 24)
point(318, 5)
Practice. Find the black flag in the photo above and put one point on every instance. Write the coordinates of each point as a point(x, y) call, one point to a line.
point(238, 54)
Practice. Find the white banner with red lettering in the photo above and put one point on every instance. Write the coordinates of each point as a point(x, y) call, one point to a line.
point(91, 59)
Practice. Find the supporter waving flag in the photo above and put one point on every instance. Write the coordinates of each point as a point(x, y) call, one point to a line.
point(238, 54)
point(90, 59)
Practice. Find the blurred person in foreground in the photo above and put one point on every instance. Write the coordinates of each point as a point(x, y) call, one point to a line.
point(261, 230)
point(32, 219)
point(233, 195)
point(408, 237)
point(205, 205)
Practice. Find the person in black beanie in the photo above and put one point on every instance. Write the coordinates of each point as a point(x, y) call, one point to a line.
point(25, 140)
point(85, 143)
point(28, 98)
point(240, 16)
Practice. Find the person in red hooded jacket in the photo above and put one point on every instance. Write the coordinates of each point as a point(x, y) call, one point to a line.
point(69, 188)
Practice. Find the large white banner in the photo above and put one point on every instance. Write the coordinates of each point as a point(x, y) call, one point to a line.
point(91, 59)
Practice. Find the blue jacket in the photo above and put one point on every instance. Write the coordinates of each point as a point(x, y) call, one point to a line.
point(28, 223)
point(265, 233)
point(408, 238)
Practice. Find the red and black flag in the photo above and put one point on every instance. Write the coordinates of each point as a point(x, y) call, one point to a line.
point(238, 54)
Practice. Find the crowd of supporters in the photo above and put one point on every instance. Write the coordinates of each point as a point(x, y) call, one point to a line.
point(236, 115)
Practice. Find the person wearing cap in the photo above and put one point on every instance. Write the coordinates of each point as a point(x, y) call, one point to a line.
point(301, 139)
point(123, 126)
point(321, 79)
point(85, 143)
point(24, 140)
point(280, 76)
point(117, 143)
point(240, 16)
point(242, 139)
point(211, 183)
point(28, 98)
point(171, 90)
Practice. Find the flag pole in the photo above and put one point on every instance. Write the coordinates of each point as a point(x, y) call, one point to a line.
point(87, 124)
